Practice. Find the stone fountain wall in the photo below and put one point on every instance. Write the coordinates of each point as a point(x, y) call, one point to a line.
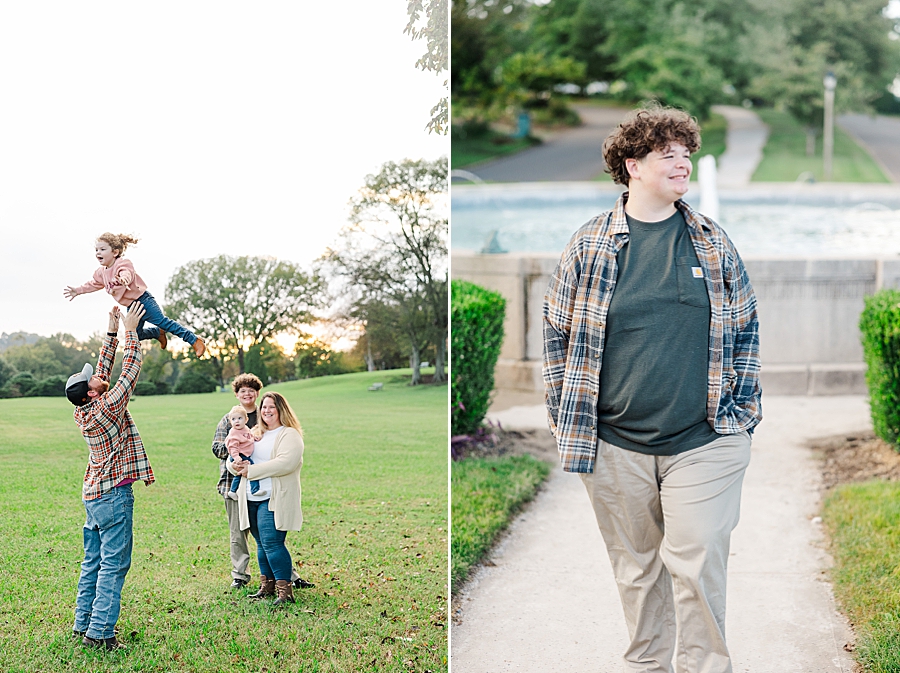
point(809, 312)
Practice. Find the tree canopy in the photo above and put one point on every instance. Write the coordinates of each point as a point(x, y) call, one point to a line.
point(434, 33)
point(394, 254)
point(690, 55)
point(239, 302)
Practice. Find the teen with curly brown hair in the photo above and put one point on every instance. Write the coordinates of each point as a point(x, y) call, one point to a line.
point(651, 371)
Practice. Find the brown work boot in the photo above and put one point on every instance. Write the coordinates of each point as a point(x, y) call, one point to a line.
point(285, 592)
point(266, 588)
point(163, 341)
point(199, 347)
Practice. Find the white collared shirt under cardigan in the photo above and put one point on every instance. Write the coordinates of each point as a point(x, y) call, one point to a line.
point(284, 469)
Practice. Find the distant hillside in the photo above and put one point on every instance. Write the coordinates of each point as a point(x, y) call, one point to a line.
point(17, 339)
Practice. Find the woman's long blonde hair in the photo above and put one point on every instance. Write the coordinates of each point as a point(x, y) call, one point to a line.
point(285, 414)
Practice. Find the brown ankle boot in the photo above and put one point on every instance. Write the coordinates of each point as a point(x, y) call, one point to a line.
point(285, 592)
point(266, 588)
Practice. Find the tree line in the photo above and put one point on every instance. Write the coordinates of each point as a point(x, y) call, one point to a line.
point(690, 55)
point(383, 283)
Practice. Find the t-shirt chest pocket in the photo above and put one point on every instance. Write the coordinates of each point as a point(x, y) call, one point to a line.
point(691, 282)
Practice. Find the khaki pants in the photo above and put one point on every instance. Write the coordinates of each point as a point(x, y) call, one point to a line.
point(240, 552)
point(667, 522)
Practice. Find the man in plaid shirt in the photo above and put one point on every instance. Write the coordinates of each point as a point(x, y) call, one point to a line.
point(117, 460)
point(651, 372)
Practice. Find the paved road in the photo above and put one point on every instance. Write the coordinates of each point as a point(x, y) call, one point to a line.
point(568, 155)
point(550, 602)
point(880, 135)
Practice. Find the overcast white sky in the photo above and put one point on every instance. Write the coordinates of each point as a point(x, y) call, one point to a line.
point(203, 127)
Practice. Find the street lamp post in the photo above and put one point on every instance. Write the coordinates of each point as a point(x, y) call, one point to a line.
point(830, 83)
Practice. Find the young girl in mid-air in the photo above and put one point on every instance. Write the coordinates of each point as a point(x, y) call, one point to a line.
point(117, 276)
point(239, 443)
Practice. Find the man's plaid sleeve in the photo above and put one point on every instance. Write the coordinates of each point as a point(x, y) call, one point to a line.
point(219, 449)
point(557, 323)
point(119, 394)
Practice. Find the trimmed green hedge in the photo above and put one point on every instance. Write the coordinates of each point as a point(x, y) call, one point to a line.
point(880, 326)
point(476, 319)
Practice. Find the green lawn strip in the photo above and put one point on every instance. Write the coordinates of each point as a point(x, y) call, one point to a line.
point(864, 523)
point(784, 156)
point(374, 539)
point(469, 150)
point(487, 492)
point(712, 132)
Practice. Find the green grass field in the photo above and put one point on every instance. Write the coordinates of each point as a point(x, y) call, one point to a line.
point(784, 156)
point(864, 523)
point(374, 539)
point(487, 492)
point(467, 151)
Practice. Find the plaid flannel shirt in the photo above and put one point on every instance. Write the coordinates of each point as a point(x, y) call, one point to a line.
point(117, 452)
point(574, 321)
point(220, 451)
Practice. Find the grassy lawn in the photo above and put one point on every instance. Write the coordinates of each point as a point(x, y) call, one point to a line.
point(864, 523)
point(487, 492)
point(374, 539)
point(784, 156)
point(471, 149)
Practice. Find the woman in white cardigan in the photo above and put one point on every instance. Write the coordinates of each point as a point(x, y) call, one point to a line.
point(277, 459)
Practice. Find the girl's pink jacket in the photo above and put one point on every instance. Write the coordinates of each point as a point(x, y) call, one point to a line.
point(106, 279)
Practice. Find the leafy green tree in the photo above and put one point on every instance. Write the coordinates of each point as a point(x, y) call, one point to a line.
point(395, 251)
point(795, 42)
point(576, 29)
point(235, 301)
point(195, 382)
point(314, 357)
point(159, 368)
point(38, 359)
point(483, 34)
point(434, 32)
point(21, 384)
point(255, 363)
point(52, 386)
point(535, 74)
point(7, 371)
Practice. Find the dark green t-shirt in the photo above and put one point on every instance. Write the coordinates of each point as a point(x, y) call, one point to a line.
point(653, 378)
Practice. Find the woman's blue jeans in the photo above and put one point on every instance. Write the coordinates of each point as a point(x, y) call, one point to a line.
point(155, 315)
point(271, 552)
point(107, 558)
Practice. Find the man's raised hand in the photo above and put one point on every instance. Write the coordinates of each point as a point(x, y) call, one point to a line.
point(133, 317)
point(114, 316)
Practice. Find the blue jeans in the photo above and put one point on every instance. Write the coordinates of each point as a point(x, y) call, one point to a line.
point(107, 558)
point(236, 480)
point(271, 552)
point(155, 315)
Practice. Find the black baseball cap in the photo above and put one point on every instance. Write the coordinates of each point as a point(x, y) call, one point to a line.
point(77, 386)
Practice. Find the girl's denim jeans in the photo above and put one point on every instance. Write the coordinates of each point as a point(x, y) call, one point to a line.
point(155, 315)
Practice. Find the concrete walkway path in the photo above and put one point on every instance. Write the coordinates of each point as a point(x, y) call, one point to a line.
point(568, 155)
point(880, 136)
point(744, 144)
point(548, 602)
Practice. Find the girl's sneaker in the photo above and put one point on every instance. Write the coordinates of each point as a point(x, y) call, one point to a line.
point(232, 495)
